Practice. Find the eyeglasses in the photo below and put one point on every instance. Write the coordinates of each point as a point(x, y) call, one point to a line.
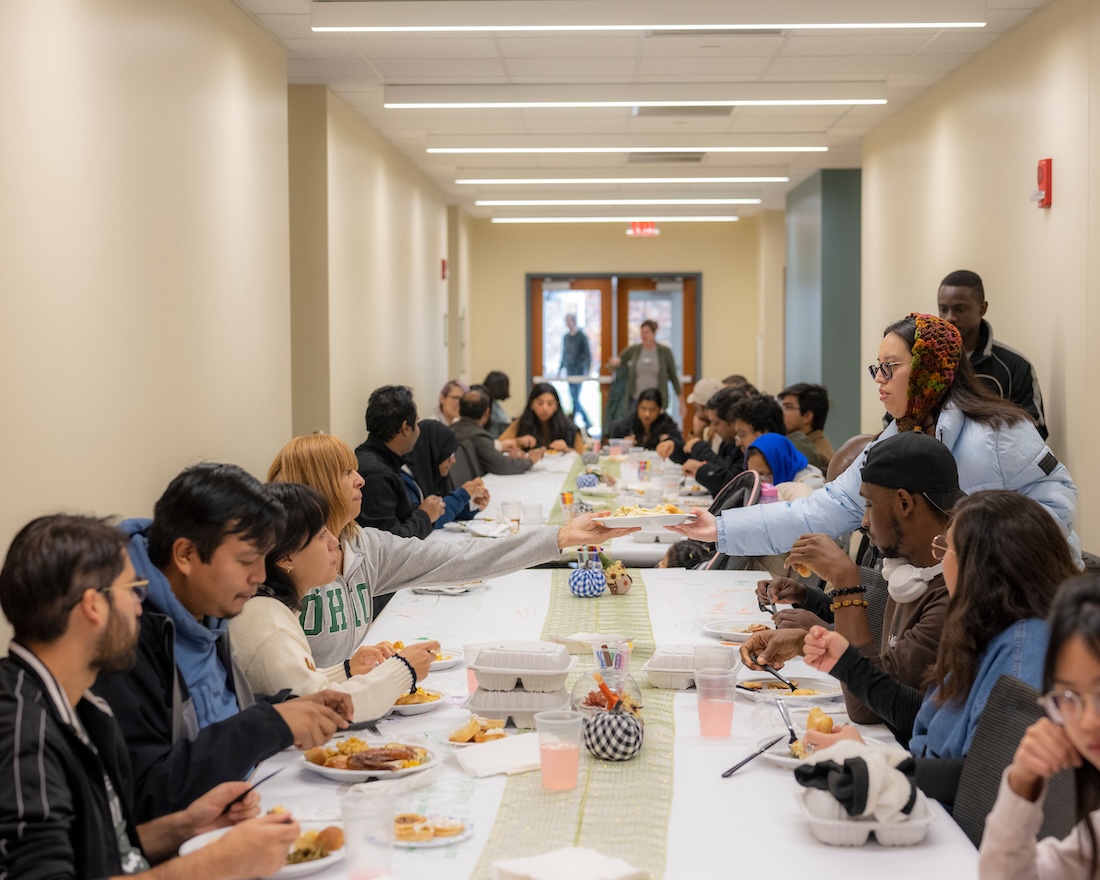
point(940, 548)
point(139, 589)
point(887, 369)
point(454, 397)
point(1067, 706)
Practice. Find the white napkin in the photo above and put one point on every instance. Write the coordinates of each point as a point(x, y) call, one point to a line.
point(489, 529)
point(511, 755)
point(576, 863)
point(582, 643)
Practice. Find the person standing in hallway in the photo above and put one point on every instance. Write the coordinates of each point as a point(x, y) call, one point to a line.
point(1005, 371)
point(649, 364)
point(576, 360)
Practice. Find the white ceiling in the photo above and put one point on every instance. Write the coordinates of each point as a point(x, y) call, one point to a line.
point(357, 66)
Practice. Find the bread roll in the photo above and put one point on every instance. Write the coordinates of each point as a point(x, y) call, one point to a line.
point(804, 570)
point(818, 720)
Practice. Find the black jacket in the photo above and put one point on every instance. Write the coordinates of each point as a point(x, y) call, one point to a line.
point(173, 761)
point(386, 503)
point(57, 822)
point(1009, 375)
point(714, 474)
point(664, 428)
point(490, 460)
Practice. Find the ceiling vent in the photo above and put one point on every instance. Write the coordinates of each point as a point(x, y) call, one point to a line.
point(664, 158)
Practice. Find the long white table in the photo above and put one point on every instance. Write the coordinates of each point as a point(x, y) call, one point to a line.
point(750, 819)
point(543, 484)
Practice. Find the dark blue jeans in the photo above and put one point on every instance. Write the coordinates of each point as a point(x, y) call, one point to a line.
point(578, 410)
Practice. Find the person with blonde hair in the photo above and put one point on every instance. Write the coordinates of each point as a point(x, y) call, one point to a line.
point(336, 617)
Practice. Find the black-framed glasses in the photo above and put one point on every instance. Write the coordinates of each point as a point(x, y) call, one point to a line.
point(886, 368)
point(139, 588)
point(1068, 706)
point(940, 548)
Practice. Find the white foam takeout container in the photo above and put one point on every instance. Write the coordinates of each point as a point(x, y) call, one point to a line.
point(534, 666)
point(855, 832)
point(520, 706)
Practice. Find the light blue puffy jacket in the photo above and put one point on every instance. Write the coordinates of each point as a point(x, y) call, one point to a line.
point(987, 458)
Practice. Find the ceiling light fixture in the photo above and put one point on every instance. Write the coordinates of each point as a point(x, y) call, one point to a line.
point(583, 181)
point(466, 97)
point(630, 149)
point(635, 219)
point(640, 15)
point(562, 203)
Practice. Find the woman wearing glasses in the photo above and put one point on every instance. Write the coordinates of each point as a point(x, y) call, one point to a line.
point(926, 383)
point(1003, 560)
point(449, 399)
point(1069, 737)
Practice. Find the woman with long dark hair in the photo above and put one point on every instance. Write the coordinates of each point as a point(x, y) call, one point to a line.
point(650, 426)
point(497, 386)
point(927, 384)
point(268, 641)
point(1068, 737)
point(1003, 559)
point(542, 423)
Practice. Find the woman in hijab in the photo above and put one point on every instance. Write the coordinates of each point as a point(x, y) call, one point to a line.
point(777, 461)
point(430, 462)
point(927, 384)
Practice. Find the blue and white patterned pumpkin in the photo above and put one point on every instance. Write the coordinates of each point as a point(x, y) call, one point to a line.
point(587, 583)
point(587, 481)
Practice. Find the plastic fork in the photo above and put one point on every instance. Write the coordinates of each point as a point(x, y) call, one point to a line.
point(786, 716)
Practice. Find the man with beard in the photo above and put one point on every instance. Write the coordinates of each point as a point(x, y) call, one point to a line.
point(70, 592)
point(188, 714)
point(910, 483)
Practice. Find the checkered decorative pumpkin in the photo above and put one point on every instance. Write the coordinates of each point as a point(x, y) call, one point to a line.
point(587, 583)
point(587, 481)
point(613, 736)
point(591, 458)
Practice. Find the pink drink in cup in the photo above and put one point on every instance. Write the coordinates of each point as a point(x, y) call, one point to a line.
point(559, 748)
point(715, 687)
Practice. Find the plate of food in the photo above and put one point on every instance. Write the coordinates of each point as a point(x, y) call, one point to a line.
point(477, 730)
point(636, 515)
point(418, 703)
point(807, 690)
point(356, 760)
point(415, 831)
point(445, 658)
point(737, 629)
point(315, 850)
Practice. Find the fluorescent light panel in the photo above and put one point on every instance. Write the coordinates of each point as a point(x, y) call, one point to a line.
point(634, 219)
point(641, 15)
point(631, 149)
point(538, 181)
point(465, 97)
point(563, 203)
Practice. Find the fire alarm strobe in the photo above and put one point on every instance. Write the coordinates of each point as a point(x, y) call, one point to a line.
point(1041, 196)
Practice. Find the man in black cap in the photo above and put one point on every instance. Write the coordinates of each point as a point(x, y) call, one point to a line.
point(910, 484)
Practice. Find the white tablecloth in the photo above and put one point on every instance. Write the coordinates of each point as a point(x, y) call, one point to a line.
point(751, 818)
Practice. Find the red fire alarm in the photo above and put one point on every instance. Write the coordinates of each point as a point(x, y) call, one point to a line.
point(443, 270)
point(1043, 192)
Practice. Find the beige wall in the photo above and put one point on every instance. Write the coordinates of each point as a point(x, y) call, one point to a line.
point(387, 298)
point(945, 186)
point(144, 287)
point(727, 255)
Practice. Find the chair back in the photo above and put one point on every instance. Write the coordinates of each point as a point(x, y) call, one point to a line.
point(1012, 707)
point(742, 491)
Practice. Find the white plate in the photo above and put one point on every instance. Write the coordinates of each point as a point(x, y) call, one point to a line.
point(437, 842)
point(828, 689)
point(421, 708)
point(363, 775)
point(472, 743)
point(735, 630)
point(601, 490)
point(648, 519)
point(780, 754)
point(694, 489)
point(285, 872)
point(456, 590)
point(454, 657)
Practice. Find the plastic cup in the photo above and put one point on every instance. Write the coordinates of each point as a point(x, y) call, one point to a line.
point(511, 511)
point(717, 657)
point(532, 514)
point(559, 748)
point(469, 652)
point(618, 448)
point(715, 687)
point(368, 835)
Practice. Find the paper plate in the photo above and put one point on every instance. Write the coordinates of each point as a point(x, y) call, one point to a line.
point(437, 842)
point(735, 629)
point(453, 656)
point(643, 520)
point(827, 689)
point(363, 775)
point(421, 708)
point(286, 872)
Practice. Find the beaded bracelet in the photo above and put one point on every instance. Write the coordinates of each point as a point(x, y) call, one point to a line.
point(853, 603)
point(848, 591)
point(347, 667)
point(412, 671)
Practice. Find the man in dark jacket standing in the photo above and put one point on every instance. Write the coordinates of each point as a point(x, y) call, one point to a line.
point(189, 717)
point(72, 596)
point(388, 484)
point(1005, 371)
point(576, 360)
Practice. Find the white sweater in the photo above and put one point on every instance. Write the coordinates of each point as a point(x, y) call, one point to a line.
point(274, 654)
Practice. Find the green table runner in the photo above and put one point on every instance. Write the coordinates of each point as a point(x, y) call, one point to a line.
point(620, 808)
